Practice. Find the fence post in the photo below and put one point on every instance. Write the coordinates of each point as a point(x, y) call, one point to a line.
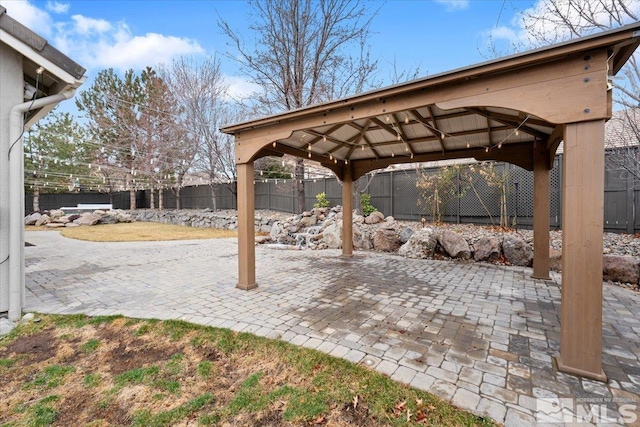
point(458, 196)
point(390, 192)
point(631, 204)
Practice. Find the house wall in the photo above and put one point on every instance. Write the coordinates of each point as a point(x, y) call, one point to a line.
point(11, 93)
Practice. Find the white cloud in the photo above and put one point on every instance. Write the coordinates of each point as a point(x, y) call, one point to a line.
point(503, 35)
point(97, 43)
point(86, 26)
point(58, 7)
point(239, 87)
point(29, 15)
point(454, 4)
point(542, 24)
point(137, 52)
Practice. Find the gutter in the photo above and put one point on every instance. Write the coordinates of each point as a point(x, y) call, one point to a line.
point(16, 197)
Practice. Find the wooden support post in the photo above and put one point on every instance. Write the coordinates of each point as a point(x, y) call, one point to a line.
point(541, 207)
point(347, 213)
point(582, 222)
point(246, 230)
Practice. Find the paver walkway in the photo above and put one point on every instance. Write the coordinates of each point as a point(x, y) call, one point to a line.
point(479, 335)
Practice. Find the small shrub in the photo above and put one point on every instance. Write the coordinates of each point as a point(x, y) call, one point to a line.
point(367, 208)
point(322, 201)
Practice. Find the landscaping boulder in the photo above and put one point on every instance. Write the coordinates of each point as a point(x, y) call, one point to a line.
point(487, 249)
point(44, 219)
point(361, 238)
point(56, 213)
point(54, 225)
point(421, 244)
point(61, 220)
point(308, 221)
point(123, 216)
point(32, 219)
point(386, 240)
point(374, 218)
point(454, 244)
point(276, 231)
point(621, 268)
point(88, 219)
point(332, 235)
point(109, 219)
point(517, 251)
point(405, 234)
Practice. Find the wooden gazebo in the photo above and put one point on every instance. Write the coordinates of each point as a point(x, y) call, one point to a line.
point(516, 109)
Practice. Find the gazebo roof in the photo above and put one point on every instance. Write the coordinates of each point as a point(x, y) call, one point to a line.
point(446, 116)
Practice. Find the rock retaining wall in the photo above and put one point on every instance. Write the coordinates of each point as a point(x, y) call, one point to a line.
point(206, 218)
point(57, 218)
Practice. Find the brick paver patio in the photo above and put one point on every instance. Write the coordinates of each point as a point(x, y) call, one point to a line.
point(479, 335)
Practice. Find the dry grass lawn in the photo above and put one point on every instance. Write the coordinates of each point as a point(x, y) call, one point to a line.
point(114, 371)
point(142, 231)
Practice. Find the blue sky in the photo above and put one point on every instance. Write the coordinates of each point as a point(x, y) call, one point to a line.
point(435, 36)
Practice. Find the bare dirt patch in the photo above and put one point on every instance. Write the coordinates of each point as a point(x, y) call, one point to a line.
point(36, 347)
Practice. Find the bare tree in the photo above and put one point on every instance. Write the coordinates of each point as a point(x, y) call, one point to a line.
point(553, 21)
point(199, 88)
point(305, 52)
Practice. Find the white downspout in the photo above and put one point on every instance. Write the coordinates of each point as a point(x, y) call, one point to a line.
point(16, 198)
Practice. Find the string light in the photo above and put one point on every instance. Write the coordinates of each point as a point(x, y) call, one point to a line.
point(393, 154)
point(362, 147)
point(406, 119)
point(486, 150)
point(500, 144)
point(346, 161)
point(517, 132)
point(398, 138)
point(274, 144)
point(324, 138)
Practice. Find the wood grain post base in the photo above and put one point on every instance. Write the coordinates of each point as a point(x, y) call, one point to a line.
point(246, 287)
point(562, 367)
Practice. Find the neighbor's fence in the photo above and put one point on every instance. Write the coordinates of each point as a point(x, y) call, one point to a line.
point(395, 193)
